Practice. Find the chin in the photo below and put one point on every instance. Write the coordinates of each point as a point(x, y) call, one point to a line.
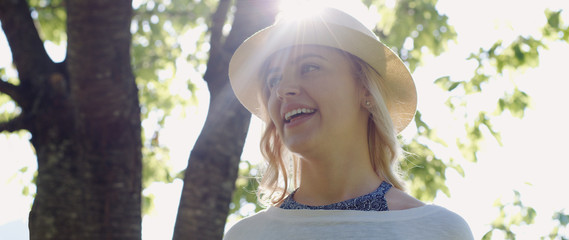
point(300, 147)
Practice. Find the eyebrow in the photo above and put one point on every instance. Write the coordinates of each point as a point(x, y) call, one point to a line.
point(308, 55)
point(295, 60)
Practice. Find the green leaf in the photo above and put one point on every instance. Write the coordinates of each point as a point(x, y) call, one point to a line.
point(553, 18)
point(446, 84)
point(453, 86)
point(147, 203)
point(487, 236)
point(443, 82)
point(530, 214)
point(26, 191)
point(561, 217)
point(417, 22)
point(516, 103)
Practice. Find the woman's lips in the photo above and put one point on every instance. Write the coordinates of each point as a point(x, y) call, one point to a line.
point(297, 120)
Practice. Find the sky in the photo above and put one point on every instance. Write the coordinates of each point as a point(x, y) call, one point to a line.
point(531, 159)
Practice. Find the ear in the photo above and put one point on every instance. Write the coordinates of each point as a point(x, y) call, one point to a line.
point(366, 98)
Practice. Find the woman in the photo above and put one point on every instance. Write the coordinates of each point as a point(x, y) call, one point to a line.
point(334, 99)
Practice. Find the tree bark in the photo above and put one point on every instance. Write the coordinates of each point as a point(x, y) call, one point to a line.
point(213, 165)
point(84, 118)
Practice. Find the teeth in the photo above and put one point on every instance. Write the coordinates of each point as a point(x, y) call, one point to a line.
point(288, 115)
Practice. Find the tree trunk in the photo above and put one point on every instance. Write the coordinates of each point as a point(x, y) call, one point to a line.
point(84, 118)
point(213, 165)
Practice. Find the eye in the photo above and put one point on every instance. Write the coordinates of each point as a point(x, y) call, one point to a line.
point(306, 68)
point(273, 80)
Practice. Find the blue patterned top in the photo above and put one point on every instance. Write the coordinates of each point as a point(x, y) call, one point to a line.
point(374, 201)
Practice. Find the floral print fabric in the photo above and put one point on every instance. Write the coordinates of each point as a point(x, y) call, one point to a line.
point(374, 201)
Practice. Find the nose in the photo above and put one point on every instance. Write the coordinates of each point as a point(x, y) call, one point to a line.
point(287, 87)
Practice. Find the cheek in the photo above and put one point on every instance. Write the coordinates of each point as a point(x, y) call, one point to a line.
point(343, 105)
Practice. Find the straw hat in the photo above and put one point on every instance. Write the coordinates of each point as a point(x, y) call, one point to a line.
point(332, 28)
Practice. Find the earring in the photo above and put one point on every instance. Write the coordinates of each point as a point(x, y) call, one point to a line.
point(368, 104)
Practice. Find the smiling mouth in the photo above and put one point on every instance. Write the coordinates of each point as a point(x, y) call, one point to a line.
point(297, 113)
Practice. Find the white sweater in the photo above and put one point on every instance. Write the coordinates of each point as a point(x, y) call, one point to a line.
point(426, 222)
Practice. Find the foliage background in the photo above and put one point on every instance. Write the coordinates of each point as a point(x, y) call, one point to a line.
point(491, 70)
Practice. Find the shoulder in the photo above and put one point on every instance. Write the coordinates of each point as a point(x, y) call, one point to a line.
point(252, 227)
point(445, 223)
point(433, 219)
point(399, 200)
point(428, 221)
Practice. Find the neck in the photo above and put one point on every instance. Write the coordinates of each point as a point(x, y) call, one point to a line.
point(336, 176)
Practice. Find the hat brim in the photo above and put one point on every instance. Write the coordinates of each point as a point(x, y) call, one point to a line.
point(248, 59)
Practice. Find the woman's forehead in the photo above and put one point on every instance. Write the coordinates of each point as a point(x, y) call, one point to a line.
point(297, 53)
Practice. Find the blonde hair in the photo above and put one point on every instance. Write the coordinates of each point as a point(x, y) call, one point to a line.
point(281, 170)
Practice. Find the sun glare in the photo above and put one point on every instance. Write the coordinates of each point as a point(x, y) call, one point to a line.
point(298, 9)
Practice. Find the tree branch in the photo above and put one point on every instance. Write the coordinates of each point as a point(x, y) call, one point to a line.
point(15, 124)
point(250, 17)
point(10, 90)
point(29, 54)
point(216, 51)
point(217, 22)
point(219, 147)
point(169, 13)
